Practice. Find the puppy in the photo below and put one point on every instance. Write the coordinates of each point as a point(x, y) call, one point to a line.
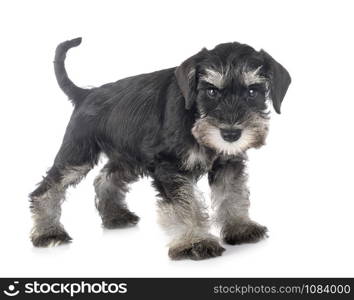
point(174, 125)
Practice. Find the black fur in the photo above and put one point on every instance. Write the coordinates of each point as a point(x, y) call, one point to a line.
point(75, 93)
point(140, 121)
point(143, 124)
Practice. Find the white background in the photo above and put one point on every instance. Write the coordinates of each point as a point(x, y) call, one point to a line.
point(301, 182)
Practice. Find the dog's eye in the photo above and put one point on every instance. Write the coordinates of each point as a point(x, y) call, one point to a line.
point(212, 92)
point(252, 93)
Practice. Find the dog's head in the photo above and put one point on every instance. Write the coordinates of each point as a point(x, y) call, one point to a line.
point(229, 88)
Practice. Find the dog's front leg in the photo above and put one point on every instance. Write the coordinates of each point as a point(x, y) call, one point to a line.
point(182, 214)
point(230, 198)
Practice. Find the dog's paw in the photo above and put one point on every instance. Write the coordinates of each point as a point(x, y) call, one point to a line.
point(50, 238)
point(199, 250)
point(121, 220)
point(245, 232)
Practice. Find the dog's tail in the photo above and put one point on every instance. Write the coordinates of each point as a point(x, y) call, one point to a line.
point(75, 93)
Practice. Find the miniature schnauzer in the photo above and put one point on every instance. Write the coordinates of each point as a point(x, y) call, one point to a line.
point(174, 125)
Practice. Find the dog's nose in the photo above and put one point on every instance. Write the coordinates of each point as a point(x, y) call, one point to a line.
point(230, 135)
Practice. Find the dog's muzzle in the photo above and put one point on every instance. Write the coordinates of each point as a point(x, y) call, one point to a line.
point(230, 135)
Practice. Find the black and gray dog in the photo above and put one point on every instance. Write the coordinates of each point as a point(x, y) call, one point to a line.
point(173, 125)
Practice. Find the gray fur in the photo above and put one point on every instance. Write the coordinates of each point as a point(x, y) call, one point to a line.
point(187, 222)
point(253, 76)
point(46, 209)
point(230, 199)
point(254, 132)
point(198, 158)
point(110, 201)
point(214, 77)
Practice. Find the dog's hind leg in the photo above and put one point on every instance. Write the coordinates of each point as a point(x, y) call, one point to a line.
point(111, 185)
point(183, 215)
point(72, 163)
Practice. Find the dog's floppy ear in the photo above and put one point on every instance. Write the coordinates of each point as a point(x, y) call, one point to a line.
point(186, 75)
point(279, 80)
